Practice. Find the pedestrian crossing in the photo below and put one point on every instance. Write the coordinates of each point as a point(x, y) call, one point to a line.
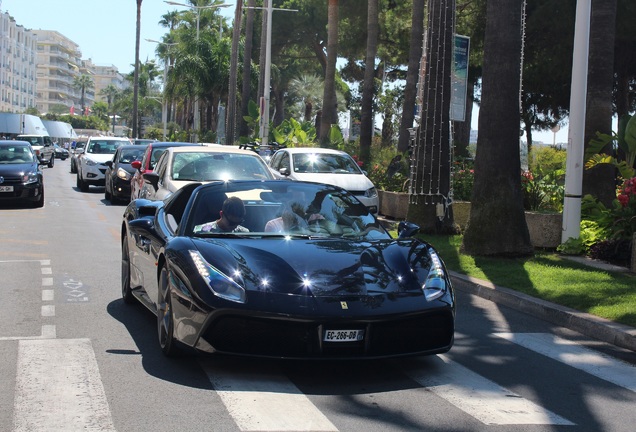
point(58, 387)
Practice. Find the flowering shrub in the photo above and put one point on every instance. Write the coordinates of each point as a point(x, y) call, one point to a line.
point(463, 180)
point(543, 191)
point(619, 220)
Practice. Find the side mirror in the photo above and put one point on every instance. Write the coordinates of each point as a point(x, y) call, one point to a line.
point(153, 179)
point(284, 171)
point(136, 164)
point(109, 163)
point(407, 229)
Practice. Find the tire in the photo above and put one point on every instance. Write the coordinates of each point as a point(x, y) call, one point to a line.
point(108, 195)
point(126, 291)
point(81, 184)
point(165, 318)
point(73, 167)
point(40, 203)
point(51, 161)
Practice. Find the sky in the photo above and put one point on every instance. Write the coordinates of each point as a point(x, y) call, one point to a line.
point(105, 31)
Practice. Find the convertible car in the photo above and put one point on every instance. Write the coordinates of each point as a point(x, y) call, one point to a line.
point(328, 282)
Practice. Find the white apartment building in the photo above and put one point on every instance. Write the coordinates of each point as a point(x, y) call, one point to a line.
point(103, 76)
point(59, 61)
point(17, 66)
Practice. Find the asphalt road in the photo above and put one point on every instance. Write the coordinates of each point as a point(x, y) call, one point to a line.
point(75, 357)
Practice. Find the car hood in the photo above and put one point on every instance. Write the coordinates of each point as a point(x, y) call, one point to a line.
point(321, 267)
point(98, 157)
point(16, 170)
point(350, 182)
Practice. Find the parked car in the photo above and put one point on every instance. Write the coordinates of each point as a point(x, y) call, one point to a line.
point(20, 174)
point(91, 168)
point(60, 152)
point(147, 163)
point(119, 172)
point(328, 166)
point(42, 147)
point(179, 166)
point(76, 151)
point(343, 290)
point(143, 141)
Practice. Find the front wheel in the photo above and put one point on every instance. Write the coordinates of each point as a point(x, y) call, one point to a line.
point(126, 291)
point(51, 161)
point(165, 317)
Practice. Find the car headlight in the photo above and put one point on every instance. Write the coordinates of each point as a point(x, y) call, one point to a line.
point(89, 161)
point(371, 193)
point(435, 285)
point(123, 174)
point(220, 284)
point(30, 177)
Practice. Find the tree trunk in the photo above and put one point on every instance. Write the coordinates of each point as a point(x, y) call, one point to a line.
point(230, 114)
point(430, 187)
point(247, 68)
point(368, 85)
point(329, 104)
point(135, 132)
point(497, 224)
point(412, 75)
point(600, 180)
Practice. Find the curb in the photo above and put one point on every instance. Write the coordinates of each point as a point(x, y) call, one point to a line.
point(599, 328)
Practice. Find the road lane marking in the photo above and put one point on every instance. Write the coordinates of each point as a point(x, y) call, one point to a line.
point(48, 295)
point(59, 388)
point(266, 401)
point(572, 354)
point(479, 397)
point(48, 310)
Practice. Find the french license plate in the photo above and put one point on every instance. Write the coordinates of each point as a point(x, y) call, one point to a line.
point(343, 335)
point(6, 188)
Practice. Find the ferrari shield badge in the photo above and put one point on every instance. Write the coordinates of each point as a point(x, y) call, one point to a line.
point(343, 305)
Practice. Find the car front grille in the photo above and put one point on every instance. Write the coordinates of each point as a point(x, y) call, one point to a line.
point(423, 333)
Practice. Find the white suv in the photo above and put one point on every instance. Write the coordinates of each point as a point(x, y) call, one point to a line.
point(91, 168)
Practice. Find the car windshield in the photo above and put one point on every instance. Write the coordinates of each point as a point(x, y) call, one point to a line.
point(282, 209)
point(15, 155)
point(104, 146)
point(130, 154)
point(325, 163)
point(207, 166)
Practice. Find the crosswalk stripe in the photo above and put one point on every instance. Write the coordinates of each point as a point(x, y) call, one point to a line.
point(479, 397)
point(58, 387)
point(266, 401)
point(569, 352)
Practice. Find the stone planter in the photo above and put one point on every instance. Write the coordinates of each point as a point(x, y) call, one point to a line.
point(544, 228)
point(394, 205)
point(461, 214)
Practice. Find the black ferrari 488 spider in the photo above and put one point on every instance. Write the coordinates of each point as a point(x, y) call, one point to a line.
point(283, 269)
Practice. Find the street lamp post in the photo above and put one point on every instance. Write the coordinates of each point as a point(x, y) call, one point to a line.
point(264, 106)
point(196, 99)
point(164, 104)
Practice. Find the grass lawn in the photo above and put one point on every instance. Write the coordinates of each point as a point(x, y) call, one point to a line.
point(550, 277)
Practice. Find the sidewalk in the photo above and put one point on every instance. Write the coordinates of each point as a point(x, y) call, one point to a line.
point(599, 328)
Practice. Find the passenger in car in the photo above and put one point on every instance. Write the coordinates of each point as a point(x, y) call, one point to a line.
point(230, 218)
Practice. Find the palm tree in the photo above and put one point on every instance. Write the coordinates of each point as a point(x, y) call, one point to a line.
point(230, 122)
point(497, 224)
point(368, 85)
point(600, 180)
point(247, 67)
point(135, 133)
point(111, 92)
point(329, 108)
point(307, 89)
point(82, 83)
point(412, 74)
